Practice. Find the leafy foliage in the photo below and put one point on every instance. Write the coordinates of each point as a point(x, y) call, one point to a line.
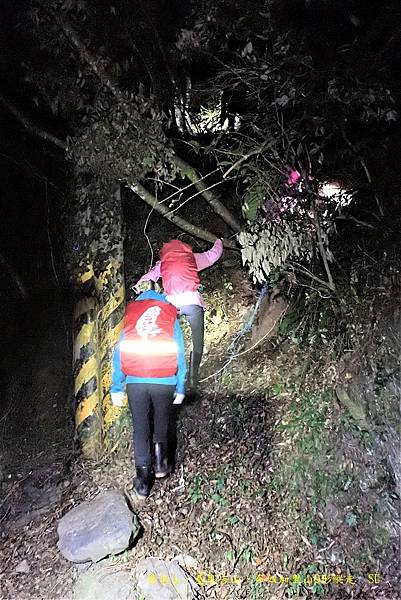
point(267, 246)
point(122, 141)
point(253, 201)
point(306, 96)
point(292, 227)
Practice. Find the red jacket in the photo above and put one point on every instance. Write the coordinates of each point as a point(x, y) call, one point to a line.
point(203, 260)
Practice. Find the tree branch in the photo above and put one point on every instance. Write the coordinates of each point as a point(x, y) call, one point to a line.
point(137, 187)
point(90, 59)
point(188, 171)
point(32, 127)
point(181, 223)
point(241, 160)
point(301, 269)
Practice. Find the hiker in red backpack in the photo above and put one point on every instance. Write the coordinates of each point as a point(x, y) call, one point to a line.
point(178, 267)
point(149, 362)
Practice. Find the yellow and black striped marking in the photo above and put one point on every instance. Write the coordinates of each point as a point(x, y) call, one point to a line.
point(86, 364)
point(110, 326)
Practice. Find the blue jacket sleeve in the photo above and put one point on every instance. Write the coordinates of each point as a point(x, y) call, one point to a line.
point(117, 376)
point(182, 367)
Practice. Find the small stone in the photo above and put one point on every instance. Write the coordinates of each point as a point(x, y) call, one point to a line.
point(22, 567)
point(186, 561)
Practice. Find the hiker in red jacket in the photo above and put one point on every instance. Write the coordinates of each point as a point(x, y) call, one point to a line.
point(178, 267)
point(149, 365)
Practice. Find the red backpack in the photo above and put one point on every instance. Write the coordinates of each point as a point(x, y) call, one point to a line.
point(178, 268)
point(148, 348)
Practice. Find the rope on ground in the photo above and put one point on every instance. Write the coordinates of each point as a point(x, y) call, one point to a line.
point(249, 324)
point(234, 356)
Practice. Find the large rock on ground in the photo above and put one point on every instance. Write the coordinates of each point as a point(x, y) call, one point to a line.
point(160, 580)
point(97, 528)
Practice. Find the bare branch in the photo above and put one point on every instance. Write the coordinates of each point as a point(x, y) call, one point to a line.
point(178, 221)
point(305, 271)
point(209, 187)
point(31, 127)
point(241, 160)
point(217, 206)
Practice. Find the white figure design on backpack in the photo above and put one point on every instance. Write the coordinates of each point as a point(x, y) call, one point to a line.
point(146, 324)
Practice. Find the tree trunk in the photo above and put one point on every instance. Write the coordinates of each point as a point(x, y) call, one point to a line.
point(99, 316)
point(88, 415)
point(110, 289)
point(197, 232)
point(188, 171)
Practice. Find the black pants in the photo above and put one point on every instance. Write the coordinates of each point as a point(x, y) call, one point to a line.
point(145, 399)
point(194, 314)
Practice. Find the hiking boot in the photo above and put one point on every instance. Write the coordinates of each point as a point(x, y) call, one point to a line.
point(142, 483)
point(161, 461)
